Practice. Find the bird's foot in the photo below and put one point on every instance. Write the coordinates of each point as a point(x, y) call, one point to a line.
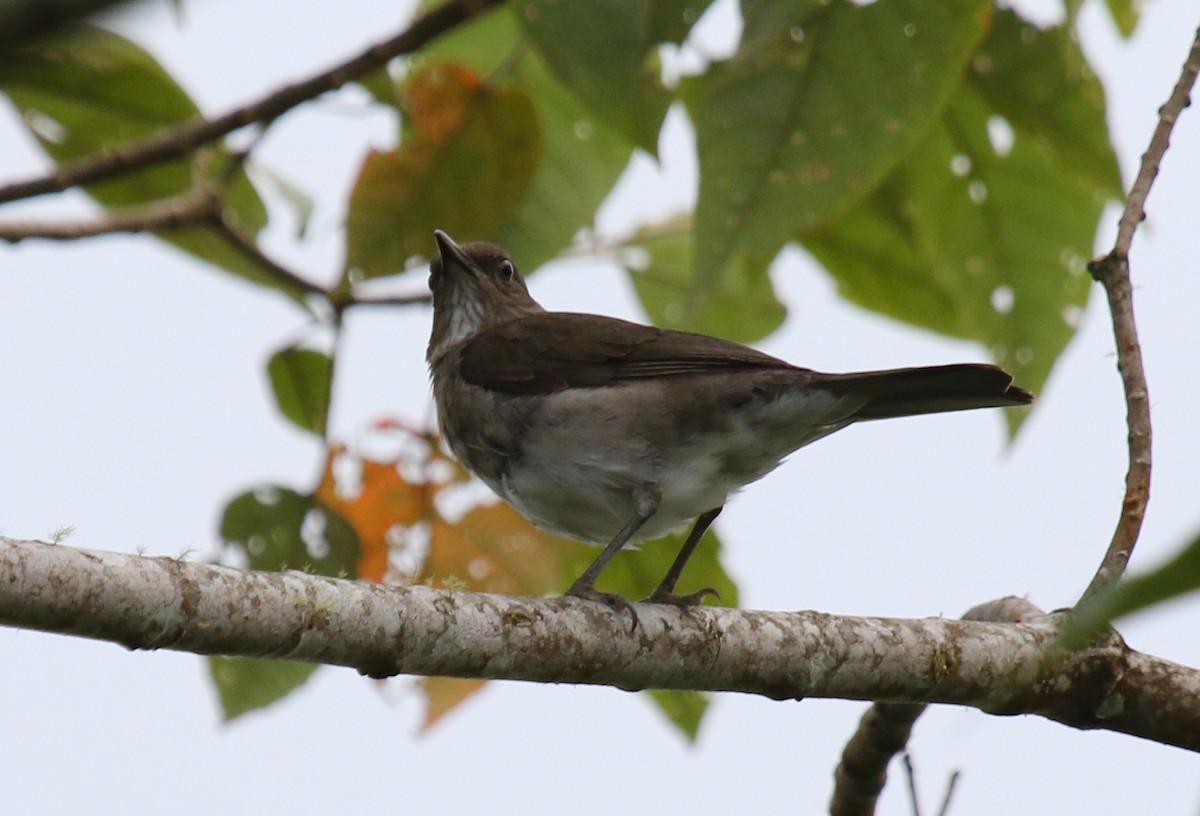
point(664, 595)
point(614, 601)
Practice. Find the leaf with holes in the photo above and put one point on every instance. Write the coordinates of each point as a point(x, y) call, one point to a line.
point(381, 502)
point(606, 53)
point(739, 305)
point(280, 529)
point(983, 231)
point(818, 105)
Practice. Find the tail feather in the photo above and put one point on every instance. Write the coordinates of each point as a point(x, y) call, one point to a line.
point(931, 390)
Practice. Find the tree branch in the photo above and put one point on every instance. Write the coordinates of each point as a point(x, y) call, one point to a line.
point(180, 140)
point(162, 603)
point(200, 203)
point(1112, 271)
point(885, 729)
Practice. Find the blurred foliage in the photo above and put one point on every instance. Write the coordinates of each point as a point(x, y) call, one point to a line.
point(1179, 576)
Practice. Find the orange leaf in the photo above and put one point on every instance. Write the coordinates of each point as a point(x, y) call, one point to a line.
point(440, 98)
point(495, 549)
point(443, 694)
point(385, 499)
point(465, 164)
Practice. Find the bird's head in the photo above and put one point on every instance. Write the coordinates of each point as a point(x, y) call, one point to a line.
point(475, 286)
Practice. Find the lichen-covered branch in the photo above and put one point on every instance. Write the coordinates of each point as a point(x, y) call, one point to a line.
point(884, 730)
point(162, 603)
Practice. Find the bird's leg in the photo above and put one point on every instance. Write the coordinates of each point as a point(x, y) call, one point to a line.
point(665, 592)
point(646, 500)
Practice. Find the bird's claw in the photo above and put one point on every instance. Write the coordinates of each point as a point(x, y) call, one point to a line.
point(665, 596)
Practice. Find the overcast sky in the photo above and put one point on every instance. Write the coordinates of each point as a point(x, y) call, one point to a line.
point(135, 404)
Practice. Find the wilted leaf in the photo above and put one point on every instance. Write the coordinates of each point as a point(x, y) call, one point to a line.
point(86, 90)
point(444, 694)
point(983, 231)
point(246, 683)
point(581, 157)
point(818, 105)
point(740, 304)
point(281, 529)
point(465, 163)
point(493, 548)
point(383, 501)
point(300, 380)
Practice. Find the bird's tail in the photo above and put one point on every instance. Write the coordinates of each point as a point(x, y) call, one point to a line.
point(907, 391)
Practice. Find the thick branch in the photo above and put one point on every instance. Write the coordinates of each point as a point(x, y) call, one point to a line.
point(180, 140)
point(1112, 271)
point(161, 603)
point(885, 729)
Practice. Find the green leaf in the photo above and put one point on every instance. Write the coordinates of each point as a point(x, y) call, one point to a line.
point(1125, 14)
point(246, 683)
point(1179, 576)
point(279, 529)
point(581, 157)
point(297, 198)
point(820, 102)
point(983, 230)
point(606, 53)
point(465, 165)
point(685, 709)
point(739, 305)
point(670, 21)
point(88, 90)
point(301, 380)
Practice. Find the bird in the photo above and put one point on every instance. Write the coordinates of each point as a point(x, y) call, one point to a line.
point(612, 432)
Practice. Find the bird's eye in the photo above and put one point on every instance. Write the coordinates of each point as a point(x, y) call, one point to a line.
point(507, 270)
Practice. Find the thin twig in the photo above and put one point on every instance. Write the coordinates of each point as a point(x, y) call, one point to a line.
point(910, 772)
point(944, 810)
point(237, 239)
point(197, 204)
point(1112, 271)
point(391, 300)
point(180, 140)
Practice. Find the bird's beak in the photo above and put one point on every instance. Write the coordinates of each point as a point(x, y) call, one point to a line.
point(450, 253)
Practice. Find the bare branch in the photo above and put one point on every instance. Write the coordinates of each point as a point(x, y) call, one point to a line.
point(391, 300)
point(237, 239)
point(198, 204)
point(162, 603)
point(180, 140)
point(1112, 271)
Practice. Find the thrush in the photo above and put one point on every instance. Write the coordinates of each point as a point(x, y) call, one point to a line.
point(612, 432)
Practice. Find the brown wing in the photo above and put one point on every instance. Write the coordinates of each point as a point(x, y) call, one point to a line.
point(552, 351)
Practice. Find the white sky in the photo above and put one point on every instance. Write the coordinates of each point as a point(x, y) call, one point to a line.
point(135, 404)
